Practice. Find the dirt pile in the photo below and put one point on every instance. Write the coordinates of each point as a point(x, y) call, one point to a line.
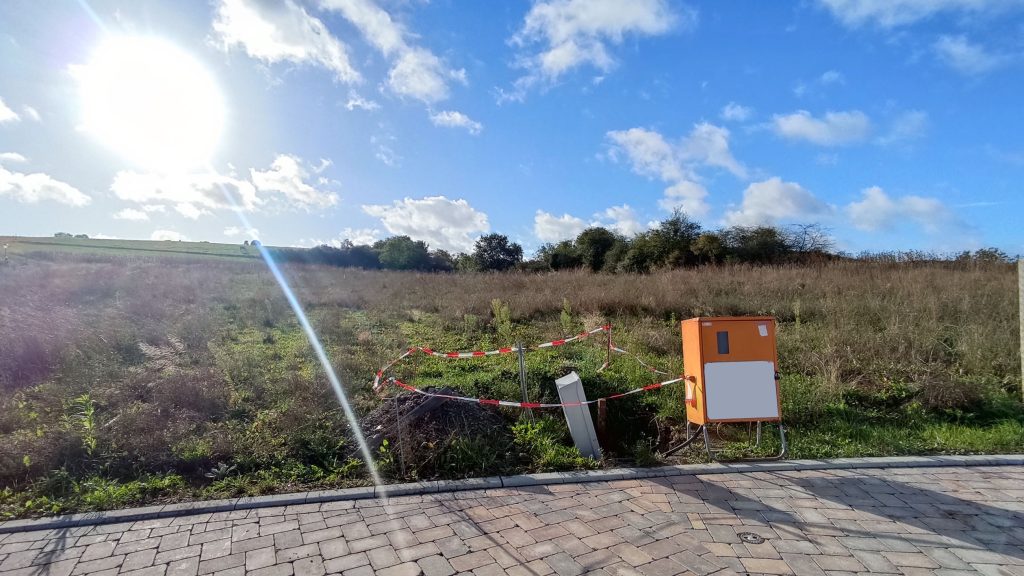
point(430, 425)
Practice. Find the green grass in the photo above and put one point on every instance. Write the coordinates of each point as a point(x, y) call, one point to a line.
point(124, 382)
point(20, 247)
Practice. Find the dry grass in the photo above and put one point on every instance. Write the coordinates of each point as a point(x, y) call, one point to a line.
point(190, 363)
point(846, 322)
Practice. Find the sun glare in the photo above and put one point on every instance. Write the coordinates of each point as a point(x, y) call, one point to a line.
point(152, 103)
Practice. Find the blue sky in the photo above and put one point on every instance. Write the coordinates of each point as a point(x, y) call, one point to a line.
point(894, 123)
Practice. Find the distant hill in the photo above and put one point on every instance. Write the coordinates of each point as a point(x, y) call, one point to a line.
point(22, 246)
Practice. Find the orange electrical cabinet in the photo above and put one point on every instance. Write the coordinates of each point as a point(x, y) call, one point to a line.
point(731, 366)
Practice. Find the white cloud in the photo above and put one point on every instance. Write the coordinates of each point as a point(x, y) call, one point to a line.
point(651, 155)
point(131, 214)
point(772, 201)
point(734, 112)
point(569, 34)
point(288, 176)
point(551, 228)
point(325, 163)
point(878, 211)
point(688, 196)
point(834, 129)
point(168, 235)
point(454, 119)
point(357, 236)
point(832, 77)
point(442, 223)
point(13, 157)
point(965, 57)
point(356, 101)
point(415, 71)
point(622, 219)
point(238, 231)
point(6, 114)
point(213, 191)
point(190, 211)
point(907, 126)
point(36, 187)
point(103, 237)
point(827, 78)
point(153, 207)
point(281, 32)
point(708, 145)
point(827, 159)
point(383, 150)
point(32, 113)
point(420, 74)
point(892, 13)
point(361, 236)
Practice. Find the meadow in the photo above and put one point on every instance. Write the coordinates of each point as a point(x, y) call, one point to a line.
point(44, 247)
point(127, 380)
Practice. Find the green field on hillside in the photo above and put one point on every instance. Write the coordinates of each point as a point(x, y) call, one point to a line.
point(24, 246)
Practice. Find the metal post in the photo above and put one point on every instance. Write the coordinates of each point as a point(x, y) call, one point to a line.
point(602, 422)
point(522, 378)
point(1020, 317)
point(401, 439)
point(608, 360)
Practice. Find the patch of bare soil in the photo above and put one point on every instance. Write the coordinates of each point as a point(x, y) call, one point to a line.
point(419, 428)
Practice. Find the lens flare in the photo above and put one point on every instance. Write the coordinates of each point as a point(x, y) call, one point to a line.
point(321, 355)
point(318, 349)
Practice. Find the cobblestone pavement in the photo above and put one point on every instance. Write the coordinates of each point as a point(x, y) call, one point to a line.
point(896, 521)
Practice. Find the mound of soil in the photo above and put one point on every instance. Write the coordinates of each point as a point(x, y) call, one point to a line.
point(429, 424)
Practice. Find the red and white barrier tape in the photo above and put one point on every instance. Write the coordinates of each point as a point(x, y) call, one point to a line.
point(638, 359)
point(380, 373)
point(377, 380)
point(511, 404)
point(481, 353)
point(579, 336)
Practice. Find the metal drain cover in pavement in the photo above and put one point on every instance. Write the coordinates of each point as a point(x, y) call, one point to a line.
point(750, 538)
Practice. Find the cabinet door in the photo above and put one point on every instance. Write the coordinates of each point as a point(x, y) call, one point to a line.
point(741, 390)
point(737, 340)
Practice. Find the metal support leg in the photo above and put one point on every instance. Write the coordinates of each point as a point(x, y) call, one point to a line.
point(782, 440)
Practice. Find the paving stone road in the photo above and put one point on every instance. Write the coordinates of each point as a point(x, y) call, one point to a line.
point(948, 521)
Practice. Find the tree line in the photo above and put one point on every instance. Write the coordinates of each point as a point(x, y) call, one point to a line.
point(676, 242)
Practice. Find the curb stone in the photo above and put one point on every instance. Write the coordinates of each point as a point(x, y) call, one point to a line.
point(443, 486)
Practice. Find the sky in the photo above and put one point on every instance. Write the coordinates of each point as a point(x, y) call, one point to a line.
point(895, 124)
